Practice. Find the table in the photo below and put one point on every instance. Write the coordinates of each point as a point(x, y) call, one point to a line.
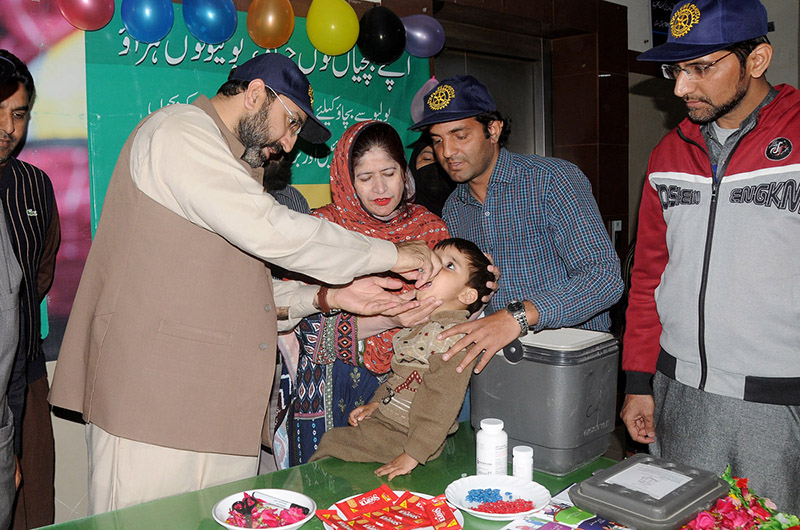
point(325, 481)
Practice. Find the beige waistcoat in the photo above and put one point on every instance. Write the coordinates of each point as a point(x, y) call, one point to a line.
point(171, 339)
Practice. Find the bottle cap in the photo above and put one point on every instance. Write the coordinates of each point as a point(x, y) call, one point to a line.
point(523, 451)
point(492, 424)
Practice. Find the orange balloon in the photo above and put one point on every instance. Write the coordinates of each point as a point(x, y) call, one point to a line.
point(270, 23)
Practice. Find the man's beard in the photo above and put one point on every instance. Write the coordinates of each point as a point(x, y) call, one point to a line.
point(715, 112)
point(253, 132)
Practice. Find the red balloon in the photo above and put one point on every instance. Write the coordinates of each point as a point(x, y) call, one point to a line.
point(88, 15)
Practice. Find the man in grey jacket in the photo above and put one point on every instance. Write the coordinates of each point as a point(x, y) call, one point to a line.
point(10, 278)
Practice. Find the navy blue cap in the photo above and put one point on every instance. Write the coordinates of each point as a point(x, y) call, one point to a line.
point(6, 69)
point(455, 98)
point(284, 77)
point(700, 27)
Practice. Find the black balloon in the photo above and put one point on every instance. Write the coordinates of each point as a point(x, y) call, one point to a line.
point(381, 35)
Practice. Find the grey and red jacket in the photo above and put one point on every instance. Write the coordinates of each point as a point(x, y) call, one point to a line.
point(715, 297)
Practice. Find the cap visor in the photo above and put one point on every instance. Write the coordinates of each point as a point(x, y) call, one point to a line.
point(673, 52)
point(442, 117)
point(314, 131)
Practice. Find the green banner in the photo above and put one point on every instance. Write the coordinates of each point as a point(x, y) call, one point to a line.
point(126, 80)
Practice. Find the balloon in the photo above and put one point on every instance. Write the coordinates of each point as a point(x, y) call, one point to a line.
point(270, 23)
point(418, 101)
point(87, 15)
point(381, 36)
point(424, 35)
point(332, 26)
point(147, 20)
point(210, 21)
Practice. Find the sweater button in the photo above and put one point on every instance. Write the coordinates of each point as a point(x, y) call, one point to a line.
point(268, 308)
point(263, 346)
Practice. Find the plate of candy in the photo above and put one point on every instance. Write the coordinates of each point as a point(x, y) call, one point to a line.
point(497, 497)
point(264, 508)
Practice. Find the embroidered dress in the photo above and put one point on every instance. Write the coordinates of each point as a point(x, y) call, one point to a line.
point(336, 372)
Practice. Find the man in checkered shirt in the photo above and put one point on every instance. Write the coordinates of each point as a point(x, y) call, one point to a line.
point(535, 216)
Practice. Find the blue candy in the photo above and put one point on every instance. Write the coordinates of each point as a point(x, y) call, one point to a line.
point(484, 495)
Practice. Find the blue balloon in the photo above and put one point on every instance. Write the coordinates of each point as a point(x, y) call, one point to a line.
point(147, 20)
point(210, 21)
point(424, 35)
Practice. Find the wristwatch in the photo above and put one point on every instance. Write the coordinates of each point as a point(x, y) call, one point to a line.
point(517, 310)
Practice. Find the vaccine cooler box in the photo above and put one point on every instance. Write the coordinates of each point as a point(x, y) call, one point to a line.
point(555, 390)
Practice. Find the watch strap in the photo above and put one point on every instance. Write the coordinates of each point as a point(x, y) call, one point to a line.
point(519, 314)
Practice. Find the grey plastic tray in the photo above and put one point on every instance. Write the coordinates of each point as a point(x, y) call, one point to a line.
point(648, 493)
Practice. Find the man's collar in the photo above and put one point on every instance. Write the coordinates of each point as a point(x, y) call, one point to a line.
point(502, 168)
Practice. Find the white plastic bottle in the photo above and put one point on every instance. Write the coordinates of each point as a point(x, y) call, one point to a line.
point(523, 462)
point(491, 451)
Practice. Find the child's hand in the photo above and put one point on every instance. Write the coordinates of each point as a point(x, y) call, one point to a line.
point(361, 413)
point(402, 465)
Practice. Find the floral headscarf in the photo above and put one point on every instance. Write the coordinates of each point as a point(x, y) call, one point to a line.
point(411, 222)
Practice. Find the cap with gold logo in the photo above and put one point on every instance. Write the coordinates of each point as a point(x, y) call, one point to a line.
point(455, 98)
point(700, 27)
point(284, 77)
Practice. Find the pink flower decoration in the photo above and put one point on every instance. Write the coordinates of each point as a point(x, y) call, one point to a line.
point(741, 519)
point(741, 509)
point(704, 521)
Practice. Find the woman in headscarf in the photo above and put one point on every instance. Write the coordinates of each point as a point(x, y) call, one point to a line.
point(343, 357)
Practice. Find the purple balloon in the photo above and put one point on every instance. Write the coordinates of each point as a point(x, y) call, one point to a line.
point(424, 35)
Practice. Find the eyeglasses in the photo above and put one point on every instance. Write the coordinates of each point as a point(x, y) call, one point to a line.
point(692, 71)
point(295, 123)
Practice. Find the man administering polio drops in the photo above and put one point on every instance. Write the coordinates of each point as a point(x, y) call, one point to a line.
point(170, 347)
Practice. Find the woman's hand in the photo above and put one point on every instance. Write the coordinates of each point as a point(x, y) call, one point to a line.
point(361, 413)
point(402, 465)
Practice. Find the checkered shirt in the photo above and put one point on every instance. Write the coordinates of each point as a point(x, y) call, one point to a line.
point(541, 225)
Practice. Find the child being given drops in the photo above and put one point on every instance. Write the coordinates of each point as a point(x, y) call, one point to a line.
point(411, 414)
